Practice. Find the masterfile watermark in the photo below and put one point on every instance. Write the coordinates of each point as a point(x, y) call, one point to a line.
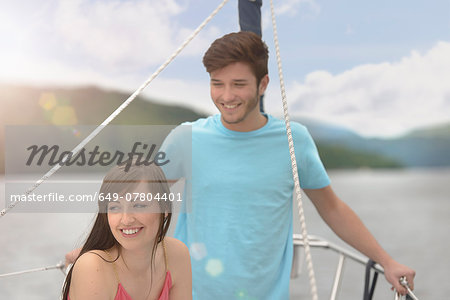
point(35, 185)
point(141, 152)
point(53, 197)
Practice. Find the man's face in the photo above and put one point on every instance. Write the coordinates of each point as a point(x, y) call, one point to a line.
point(236, 95)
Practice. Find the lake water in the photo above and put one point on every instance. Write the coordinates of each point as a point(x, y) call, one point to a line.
point(408, 211)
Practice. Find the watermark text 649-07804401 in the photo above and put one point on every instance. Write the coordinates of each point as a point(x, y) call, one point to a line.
point(60, 197)
point(139, 196)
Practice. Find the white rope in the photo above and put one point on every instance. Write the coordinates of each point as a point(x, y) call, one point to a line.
point(59, 266)
point(312, 279)
point(119, 109)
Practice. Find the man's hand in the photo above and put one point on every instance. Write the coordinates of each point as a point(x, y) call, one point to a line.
point(393, 271)
point(72, 256)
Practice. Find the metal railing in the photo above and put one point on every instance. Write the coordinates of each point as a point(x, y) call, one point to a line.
point(314, 242)
point(343, 254)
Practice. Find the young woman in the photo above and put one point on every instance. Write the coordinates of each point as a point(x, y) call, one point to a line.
point(126, 255)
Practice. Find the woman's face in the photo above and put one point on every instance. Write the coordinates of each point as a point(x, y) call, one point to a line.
point(133, 219)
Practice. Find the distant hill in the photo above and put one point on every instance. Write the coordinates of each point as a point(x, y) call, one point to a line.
point(24, 105)
point(91, 106)
point(441, 131)
point(338, 147)
point(427, 147)
point(341, 157)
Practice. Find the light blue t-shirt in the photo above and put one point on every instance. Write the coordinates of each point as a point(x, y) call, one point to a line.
point(239, 224)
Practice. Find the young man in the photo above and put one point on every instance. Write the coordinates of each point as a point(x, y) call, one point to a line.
point(239, 225)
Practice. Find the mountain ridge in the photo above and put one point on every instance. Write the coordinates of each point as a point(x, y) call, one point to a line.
point(424, 147)
point(339, 147)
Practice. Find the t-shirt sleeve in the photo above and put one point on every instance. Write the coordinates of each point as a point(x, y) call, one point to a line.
point(312, 173)
point(177, 147)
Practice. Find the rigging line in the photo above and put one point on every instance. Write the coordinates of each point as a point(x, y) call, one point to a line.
point(118, 110)
point(312, 279)
point(59, 266)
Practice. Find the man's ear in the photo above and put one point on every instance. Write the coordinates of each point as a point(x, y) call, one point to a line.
point(263, 84)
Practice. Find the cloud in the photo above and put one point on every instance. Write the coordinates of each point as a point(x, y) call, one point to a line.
point(113, 44)
point(174, 90)
point(194, 94)
point(112, 37)
point(384, 99)
point(120, 34)
point(290, 8)
point(349, 30)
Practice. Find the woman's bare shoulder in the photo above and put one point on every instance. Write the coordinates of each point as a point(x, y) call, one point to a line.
point(178, 257)
point(94, 260)
point(92, 275)
point(179, 262)
point(176, 249)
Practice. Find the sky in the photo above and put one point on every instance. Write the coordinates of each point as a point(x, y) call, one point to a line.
point(380, 68)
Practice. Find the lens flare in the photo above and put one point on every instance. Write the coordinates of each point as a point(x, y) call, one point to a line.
point(64, 115)
point(242, 294)
point(47, 101)
point(198, 251)
point(214, 267)
point(76, 132)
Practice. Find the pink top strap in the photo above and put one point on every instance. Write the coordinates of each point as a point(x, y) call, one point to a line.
point(166, 287)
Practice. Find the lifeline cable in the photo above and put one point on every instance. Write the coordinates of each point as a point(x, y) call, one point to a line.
point(312, 279)
point(118, 110)
point(59, 266)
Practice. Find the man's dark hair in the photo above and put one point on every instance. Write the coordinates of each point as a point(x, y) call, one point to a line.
point(246, 47)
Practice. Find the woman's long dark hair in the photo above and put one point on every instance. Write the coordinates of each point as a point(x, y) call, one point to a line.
point(117, 180)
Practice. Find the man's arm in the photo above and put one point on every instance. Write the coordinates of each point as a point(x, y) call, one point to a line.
point(72, 256)
point(349, 227)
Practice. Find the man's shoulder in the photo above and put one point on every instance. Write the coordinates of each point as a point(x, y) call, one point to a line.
point(296, 127)
point(208, 122)
point(201, 122)
point(185, 131)
point(209, 125)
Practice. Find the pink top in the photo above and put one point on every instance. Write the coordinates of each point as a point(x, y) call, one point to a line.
point(164, 295)
point(123, 295)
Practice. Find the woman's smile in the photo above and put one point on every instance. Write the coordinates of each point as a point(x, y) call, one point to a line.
point(131, 232)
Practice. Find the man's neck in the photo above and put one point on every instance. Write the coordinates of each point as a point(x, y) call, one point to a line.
point(248, 125)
